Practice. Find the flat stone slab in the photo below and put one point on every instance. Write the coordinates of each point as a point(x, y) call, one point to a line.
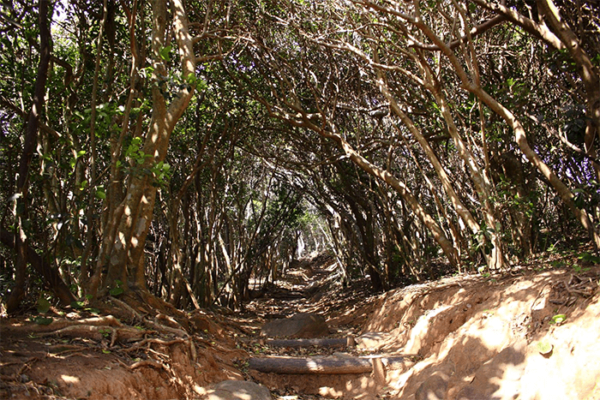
point(338, 364)
point(303, 325)
point(239, 390)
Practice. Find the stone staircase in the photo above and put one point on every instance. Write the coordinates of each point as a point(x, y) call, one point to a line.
point(351, 367)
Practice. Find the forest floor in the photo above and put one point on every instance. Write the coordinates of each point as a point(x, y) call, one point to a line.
point(533, 333)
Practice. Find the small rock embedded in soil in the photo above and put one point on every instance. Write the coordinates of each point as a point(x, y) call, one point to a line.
point(239, 390)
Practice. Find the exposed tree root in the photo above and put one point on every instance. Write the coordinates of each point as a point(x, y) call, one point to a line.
point(166, 329)
point(143, 363)
point(121, 334)
point(135, 315)
point(144, 342)
point(64, 348)
point(175, 329)
point(107, 321)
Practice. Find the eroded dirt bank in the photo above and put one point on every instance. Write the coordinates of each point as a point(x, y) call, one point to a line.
point(530, 336)
point(533, 334)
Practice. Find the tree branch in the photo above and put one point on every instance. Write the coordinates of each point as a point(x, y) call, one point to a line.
point(477, 30)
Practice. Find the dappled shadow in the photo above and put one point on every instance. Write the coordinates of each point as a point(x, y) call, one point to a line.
point(491, 374)
point(474, 337)
point(465, 337)
point(347, 386)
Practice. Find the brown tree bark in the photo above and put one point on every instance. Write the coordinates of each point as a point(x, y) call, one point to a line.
point(123, 248)
point(438, 234)
point(520, 135)
point(586, 70)
point(50, 276)
point(30, 141)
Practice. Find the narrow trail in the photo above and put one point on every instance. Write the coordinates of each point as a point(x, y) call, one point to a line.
point(294, 368)
point(299, 289)
point(466, 337)
point(311, 285)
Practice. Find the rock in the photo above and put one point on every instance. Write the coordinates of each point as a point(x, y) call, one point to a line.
point(239, 390)
point(434, 387)
point(303, 325)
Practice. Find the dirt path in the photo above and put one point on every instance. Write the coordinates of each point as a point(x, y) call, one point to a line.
point(529, 335)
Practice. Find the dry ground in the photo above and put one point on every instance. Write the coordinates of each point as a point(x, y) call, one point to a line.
point(531, 334)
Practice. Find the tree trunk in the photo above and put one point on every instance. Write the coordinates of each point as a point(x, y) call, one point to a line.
point(33, 122)
point(586, 70)
point(520, 136)
point(560, 36)
point(123, 252)
point(437, 233)
point(50, 276)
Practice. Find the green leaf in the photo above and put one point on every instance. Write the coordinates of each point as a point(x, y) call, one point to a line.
point(544, 347)
point(106, 351)
point(100, 194)
point(77, 304)
point(116, 291)
point(559, 318)
point(164, 53)
point(589, 258)
point(43, 305)
point(191, 79)
point(43, 320)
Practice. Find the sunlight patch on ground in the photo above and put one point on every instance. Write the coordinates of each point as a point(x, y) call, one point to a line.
point(69, 379)
point(199, 390)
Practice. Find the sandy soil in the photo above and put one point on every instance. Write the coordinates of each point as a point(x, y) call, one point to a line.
point(531, 334)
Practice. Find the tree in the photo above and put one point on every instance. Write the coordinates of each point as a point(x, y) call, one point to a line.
point(411, 131)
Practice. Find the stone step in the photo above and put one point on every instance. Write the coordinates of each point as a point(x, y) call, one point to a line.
point(320, 342)
point(326, 365)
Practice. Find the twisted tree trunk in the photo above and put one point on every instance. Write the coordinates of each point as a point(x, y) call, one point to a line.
point(33, 124)
point(122, 251)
